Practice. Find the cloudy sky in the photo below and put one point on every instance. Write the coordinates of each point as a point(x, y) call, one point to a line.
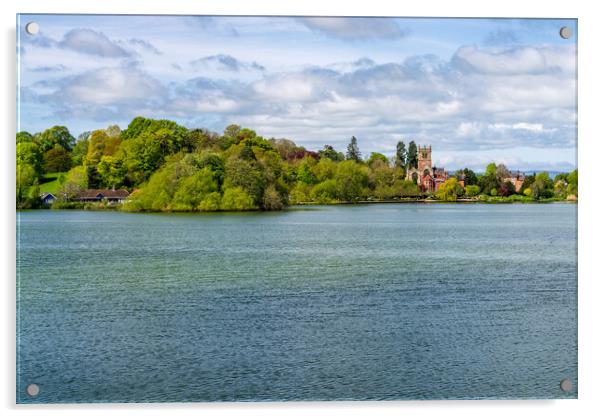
point(477, 90)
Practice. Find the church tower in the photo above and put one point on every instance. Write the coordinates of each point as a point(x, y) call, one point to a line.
point(424, 160)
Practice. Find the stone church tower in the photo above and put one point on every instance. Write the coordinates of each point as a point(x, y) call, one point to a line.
point(424, 160)
point(424, 175)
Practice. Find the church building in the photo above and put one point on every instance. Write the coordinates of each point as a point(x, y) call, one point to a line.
point(427, 177)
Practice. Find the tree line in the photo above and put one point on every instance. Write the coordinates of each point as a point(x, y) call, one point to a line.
point(168, 167)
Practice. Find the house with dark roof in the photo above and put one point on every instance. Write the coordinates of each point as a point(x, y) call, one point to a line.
point(99, 195)
point(47, 198)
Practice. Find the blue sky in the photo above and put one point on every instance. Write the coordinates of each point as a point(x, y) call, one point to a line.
point(477, 90)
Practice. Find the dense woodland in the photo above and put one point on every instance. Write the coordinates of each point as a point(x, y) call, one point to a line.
point(168, 167)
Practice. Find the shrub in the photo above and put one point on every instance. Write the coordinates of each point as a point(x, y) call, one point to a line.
point(211, 202)
point(472, 190)
point(324, 192)
point(300, 193)
point(236, 198)
point(450, 190)
point(272, 199)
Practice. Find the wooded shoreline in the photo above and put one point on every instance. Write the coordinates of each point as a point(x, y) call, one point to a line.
point(160, 166)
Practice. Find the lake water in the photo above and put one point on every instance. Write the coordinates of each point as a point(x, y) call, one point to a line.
point(398, 301)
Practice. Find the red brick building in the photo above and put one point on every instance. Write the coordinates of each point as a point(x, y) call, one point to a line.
point(517, 179)
point(427, 177)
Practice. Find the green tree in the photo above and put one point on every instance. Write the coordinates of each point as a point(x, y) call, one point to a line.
point(246, 153)
point(490, 180)
point(80, 150)
point(141, 156)
point(401, 154)
point(470, 178)
point(247, 176)
point(158, 193)
point(192, 190)
point(26, 178)
point(76, 180)
point(28, 153)
point(211, 202)
point(330, 153)
point(237, 199)
point(231, 133)
point(285, 147)
point(502, 173)
point(33, 196)
point(171, 134)
point(351, 179)
point(202, 139)
point(101, 144)
point(56, 135)
point(472, 190)
point(272, 199)
point(572, 179)
point(57, 159)
point(412, 156)
point(304, 171)
point(406, 188)
point(84, 136)
point(216, 163)
point(111, 171)
point(543, 186)
point(560, 187)
point(561, 177)
point(376, 156)
point(24, 136)
point(113, 131)
point(381, 178)
point(450, 190)
point(324, 192)
point(325, 169)
point(353, 151)
point(529, 180)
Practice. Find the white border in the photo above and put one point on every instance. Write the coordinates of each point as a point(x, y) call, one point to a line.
point(590, 190)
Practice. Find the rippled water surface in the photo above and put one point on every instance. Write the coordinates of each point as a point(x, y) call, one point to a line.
point(342, 302)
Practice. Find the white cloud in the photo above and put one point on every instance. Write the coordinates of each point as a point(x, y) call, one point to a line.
point(479, 100)
point(108, 86)
point(532, 127)
point(523, 60)
point(143, 45)
point(354, 28)
point(287, 87)
point(88, 41)
point(468, 129)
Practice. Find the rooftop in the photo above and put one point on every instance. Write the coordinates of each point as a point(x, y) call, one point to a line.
point(106, 193)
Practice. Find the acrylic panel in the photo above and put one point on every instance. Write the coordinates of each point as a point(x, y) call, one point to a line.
point(238, 208)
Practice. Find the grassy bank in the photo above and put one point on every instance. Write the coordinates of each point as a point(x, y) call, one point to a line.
point(51, 183)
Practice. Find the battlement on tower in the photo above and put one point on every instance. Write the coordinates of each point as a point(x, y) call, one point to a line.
point(425, 159)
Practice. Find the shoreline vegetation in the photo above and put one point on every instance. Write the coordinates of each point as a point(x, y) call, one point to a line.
point(168, 168)
point(101, 206)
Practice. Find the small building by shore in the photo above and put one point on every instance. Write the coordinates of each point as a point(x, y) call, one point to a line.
point(99, 195)
point(47, 198)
